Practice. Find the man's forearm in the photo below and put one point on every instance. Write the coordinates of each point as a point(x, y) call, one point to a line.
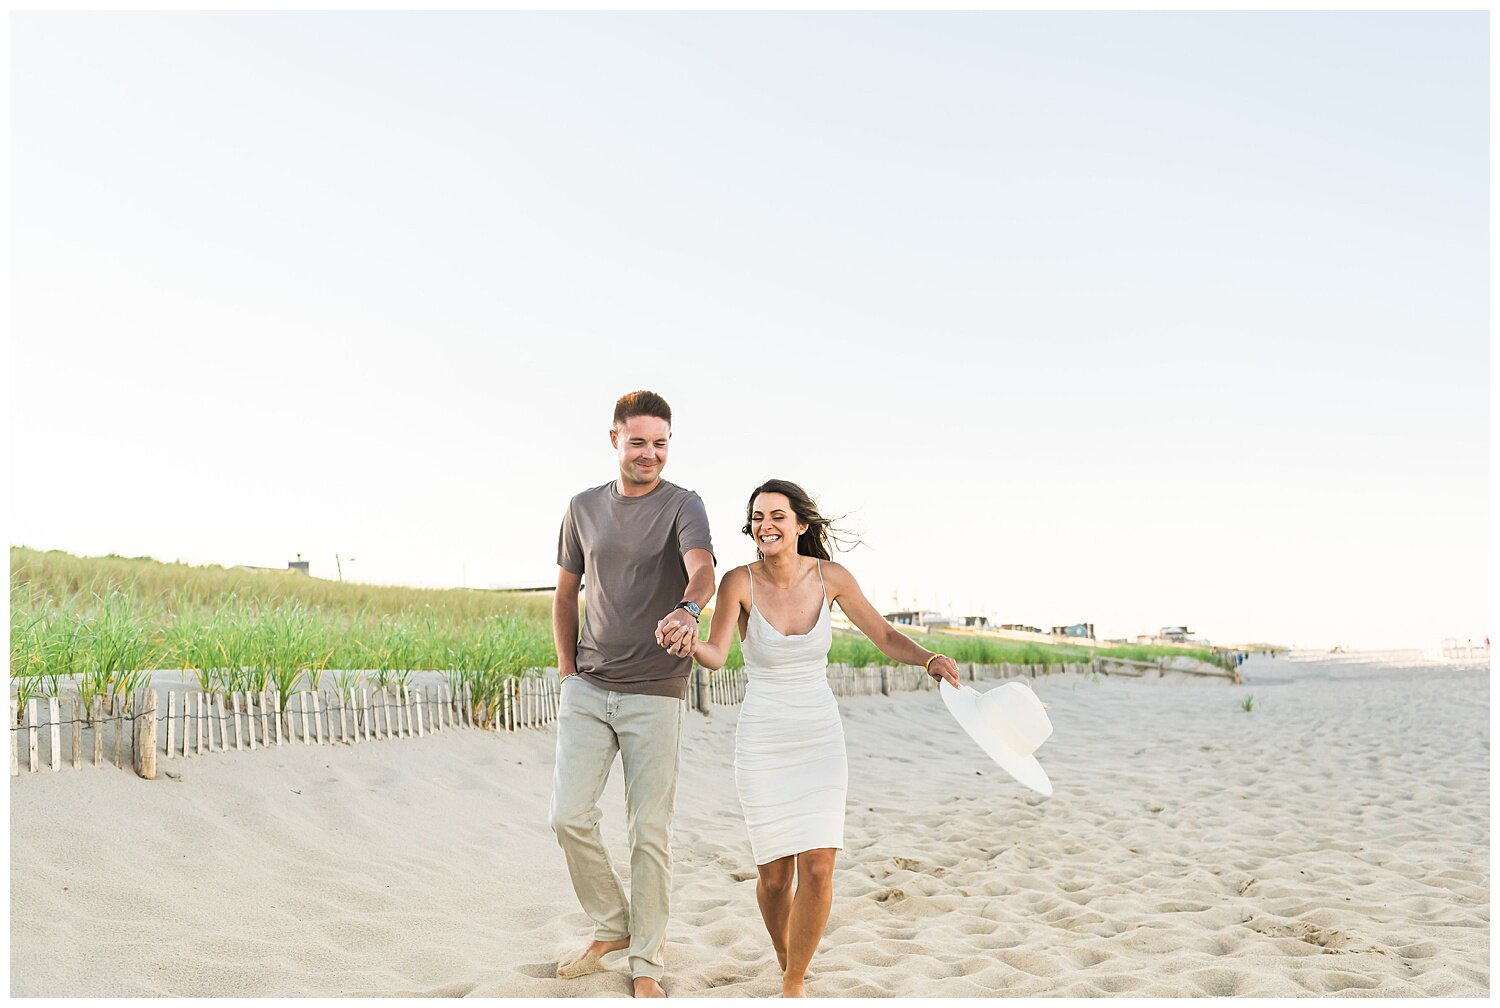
point(565, 634)
point(700, 587)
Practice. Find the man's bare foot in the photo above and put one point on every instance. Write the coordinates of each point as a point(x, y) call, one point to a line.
point(591, 959)
point(792, 988)
point(645, 987)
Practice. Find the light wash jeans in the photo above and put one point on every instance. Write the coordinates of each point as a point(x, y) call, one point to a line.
point(593, 725)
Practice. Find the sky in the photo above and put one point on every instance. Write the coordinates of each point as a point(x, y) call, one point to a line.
point(1138, 319)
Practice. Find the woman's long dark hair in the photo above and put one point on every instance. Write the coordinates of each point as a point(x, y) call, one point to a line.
point(820, 531)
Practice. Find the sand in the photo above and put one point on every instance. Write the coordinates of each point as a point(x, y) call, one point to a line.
point(1333, 841)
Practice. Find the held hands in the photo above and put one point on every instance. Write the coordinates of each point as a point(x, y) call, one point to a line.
point(678, 633)
point(943, 668)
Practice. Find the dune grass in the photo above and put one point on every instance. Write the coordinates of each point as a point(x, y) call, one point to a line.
point(859, 651)
point(99, 624)
point(1151, 652)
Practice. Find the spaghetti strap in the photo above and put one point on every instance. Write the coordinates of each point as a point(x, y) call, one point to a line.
point(821, 583)
point(752, 583)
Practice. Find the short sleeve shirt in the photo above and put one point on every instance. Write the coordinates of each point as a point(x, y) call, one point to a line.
point(629, 551)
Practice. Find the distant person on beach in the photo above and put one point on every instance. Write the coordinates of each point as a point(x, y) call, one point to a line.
point(789, 764)
point(644, 546)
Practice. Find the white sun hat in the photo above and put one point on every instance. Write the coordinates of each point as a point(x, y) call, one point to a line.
point(1009, 723)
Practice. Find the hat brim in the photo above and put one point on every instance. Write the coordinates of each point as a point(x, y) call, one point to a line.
point(963, 704)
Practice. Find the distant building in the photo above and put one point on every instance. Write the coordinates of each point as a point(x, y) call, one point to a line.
point(917, 618)
point(1083, 630)
point(1019, 626)
point(293, 566)
point(1176, 634)
point(976, 621)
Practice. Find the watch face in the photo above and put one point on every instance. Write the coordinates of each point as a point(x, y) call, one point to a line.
point(693, 608)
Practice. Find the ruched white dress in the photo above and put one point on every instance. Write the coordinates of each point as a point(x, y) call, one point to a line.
point(789, 763)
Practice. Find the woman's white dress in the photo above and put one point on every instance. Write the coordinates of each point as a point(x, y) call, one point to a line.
point(789, 763)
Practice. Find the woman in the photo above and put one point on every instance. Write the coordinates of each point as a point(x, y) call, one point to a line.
point(789, 763)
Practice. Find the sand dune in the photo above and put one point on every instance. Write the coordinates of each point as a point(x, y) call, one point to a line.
point(1332, 841)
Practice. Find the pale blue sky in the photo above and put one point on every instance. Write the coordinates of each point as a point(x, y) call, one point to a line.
point(1130, 318)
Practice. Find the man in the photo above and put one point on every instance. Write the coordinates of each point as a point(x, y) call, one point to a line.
point(644, 545)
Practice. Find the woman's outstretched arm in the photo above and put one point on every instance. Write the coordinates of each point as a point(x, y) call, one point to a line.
point(729, 600)
point(843, 589)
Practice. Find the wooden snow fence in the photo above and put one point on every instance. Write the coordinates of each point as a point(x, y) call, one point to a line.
point(53, 732)
point(1137, 669)
point(154, 725)
point(531, 701)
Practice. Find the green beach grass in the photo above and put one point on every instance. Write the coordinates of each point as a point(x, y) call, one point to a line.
point(103, 623)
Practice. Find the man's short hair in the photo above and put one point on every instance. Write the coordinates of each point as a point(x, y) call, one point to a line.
point(643, 403)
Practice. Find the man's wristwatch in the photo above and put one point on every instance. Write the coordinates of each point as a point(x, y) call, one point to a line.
point(693, 609)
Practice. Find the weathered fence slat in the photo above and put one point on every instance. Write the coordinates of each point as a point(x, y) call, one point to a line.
point(31, 738)
point(118, 712)
point(234, 704)
point(306, 727)
point(76, 705)
point(55, 756)
point(14, 713)
point(223, 722)
point(317, 702)
point(144, 744)
point(96, 716)
point(171, 713)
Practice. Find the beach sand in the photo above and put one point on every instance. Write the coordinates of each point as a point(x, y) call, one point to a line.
point(1334, 840)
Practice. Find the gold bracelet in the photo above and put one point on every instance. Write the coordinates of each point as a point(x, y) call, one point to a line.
point(928, 667)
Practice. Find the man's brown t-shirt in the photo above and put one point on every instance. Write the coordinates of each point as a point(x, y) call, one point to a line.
point(629, 550)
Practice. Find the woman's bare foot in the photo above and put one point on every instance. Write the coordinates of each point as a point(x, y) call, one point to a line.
point(591, 959)
point(645, 987)
point(792, 988)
